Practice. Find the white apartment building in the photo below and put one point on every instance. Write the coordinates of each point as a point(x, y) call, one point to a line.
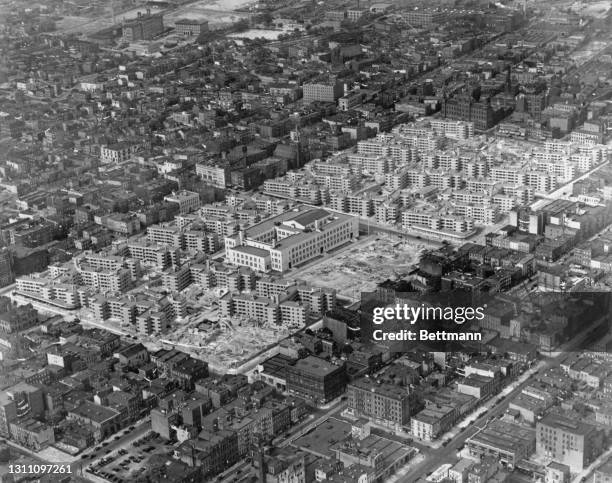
point(443, 179)
point(360, 205)
point(333, 169)
point(397, 180)
point(346, 184)
point(484, 215)
point(443, 161)
point(453, 129)
point(361, 163)
point(487, 185)
point(508, 175)
point(523, 194)
point(540, 182)
point(436, 222)
point(563, 171)
point(466, 196)
point(504, 202)
point(263, 309)
point(475, 169)
point(47, 290)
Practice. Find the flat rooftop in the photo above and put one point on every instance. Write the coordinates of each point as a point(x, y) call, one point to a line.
point(384, 389)
point(504, 436)
point(316, 365)
point(566, 424)
point(249, 250)
point(300, 216)
point(320, 440)
point(95, 412)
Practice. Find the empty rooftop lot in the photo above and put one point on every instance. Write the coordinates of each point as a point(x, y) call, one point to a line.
point(362, 267)
point(320, 440)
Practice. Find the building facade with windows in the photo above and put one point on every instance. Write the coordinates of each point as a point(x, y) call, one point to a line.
point(290, 239)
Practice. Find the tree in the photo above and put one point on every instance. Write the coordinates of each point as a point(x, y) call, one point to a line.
point(265, 18)
point(347, 349)
point(241, 25)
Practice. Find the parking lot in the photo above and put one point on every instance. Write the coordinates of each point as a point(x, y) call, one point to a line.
point(125, 464)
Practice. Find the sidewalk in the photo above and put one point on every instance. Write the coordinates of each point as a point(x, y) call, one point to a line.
point(482, 410)
point(593, 466)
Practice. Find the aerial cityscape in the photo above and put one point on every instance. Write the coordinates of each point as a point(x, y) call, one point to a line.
point(296, 241)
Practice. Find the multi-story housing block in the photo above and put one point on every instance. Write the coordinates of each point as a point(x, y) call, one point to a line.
point(568, 441)
point(263, 309)
point(482, 214)
point(344, 184)
point(385, 404)
point(361, 205)
point(434, 222)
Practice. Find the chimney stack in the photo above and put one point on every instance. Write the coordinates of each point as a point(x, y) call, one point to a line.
point(261, 463)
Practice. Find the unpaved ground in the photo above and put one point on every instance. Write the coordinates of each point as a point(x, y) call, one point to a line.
point(361, 269)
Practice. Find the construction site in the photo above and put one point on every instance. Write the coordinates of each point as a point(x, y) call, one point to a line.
point(364, 265)
point(224, 343)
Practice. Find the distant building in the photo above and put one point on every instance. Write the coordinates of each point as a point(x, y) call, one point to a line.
point(355, 14)
point(16, 318)
point(189, 27)
point(187, 201)
point(322, 92)
point(480, 113)
point(218, 176)
point(143, 27)
point(7, 275)
point(336, 15)
point(117, 153)
point(423, 18)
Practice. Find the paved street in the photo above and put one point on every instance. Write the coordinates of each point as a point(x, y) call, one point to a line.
point(567, 188)
point(448, 454)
